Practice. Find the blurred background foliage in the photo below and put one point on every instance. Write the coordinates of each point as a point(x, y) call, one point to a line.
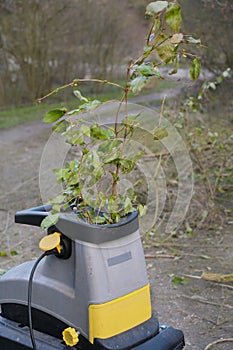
point(48, 43)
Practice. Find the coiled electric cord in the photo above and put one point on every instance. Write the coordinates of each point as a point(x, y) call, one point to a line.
point(30, 296)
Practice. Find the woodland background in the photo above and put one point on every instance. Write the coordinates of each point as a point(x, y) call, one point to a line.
point(47, 43)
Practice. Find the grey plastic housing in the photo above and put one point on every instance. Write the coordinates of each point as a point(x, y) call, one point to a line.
point(75, 228)
point(95, 273)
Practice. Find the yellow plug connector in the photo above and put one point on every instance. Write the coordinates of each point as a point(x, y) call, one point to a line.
point(50, 242)
point(70, 336)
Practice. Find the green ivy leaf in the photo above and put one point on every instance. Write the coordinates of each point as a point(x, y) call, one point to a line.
point(78, 94)
point(115, 217)
point(138, 83)
point(112, 157)
point(112, 204)
point(85, 107)
point(95, 160)
point(14, 252)
point(126, 165)
point(100, 220)
point(57, 200)
point(193, 40)
point(179, 280)
point(92, 105)
point(131, 194)
point(85, 129)
point(177, 38)
point(147, 70)
point(101, 133)
point(73, 165)
point(156, 7)
point(3, 253)
point(173, 17)
point(195, 69)
point(76, 139)
point(156, 27)
point(61, 174)
point(147, 50)
point(61, 126)
point(56, 209)
point(95, 176)
point(127, 205)
point(98, 172)
point(176, 65)
point(166, 50)
point(219, 79)
point(49, 221)
point(141, 209)
point(130, 119)
point(74, 111)
point(89, 106)
point(54, 115)
point(107, 146)
point(160, 134)
point(212, 85)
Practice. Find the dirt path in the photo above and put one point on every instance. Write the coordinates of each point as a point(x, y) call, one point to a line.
point(20, 154)
point(203, 310)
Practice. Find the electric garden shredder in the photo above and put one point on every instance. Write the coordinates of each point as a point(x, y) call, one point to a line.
point(90, 291)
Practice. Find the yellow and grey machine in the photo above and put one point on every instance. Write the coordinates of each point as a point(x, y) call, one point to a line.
point(94, 291)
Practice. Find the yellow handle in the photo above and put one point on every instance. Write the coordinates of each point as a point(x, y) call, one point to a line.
point(50, 242)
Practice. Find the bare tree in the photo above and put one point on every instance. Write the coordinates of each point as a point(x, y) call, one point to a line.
point(104, 36)
point(46, 42)
point(211, 20)
point(28, 35)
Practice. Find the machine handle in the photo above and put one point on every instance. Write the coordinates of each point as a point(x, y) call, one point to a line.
point(33, 216)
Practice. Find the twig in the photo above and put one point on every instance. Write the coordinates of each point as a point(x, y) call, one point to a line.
point(151, 156)
point(162, 109)
point(75, 83)
point(204, 172)
point(207, 302)
point(158, 256)
point(156, 194)
point(217, 342)
point(219, 174)
point(199, 278)
point(192, 276)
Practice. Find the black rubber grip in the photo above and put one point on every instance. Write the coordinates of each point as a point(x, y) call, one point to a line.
point(32, 216)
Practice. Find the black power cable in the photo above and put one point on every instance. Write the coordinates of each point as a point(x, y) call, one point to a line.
point(30, 295)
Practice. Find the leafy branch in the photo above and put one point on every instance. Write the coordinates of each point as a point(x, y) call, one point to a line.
point(91, 183)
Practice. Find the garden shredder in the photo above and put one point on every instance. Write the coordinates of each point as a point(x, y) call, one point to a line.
point(88, 290)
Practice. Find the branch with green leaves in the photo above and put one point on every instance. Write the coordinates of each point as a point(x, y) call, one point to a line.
point(105, 151)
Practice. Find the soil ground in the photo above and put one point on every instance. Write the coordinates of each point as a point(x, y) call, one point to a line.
point(202, 309)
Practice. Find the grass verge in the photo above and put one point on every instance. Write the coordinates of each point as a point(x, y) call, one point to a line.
point(14, 116)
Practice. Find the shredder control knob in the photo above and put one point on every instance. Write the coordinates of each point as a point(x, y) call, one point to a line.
point(70, 336)
point(51, 242)
point(58, 243)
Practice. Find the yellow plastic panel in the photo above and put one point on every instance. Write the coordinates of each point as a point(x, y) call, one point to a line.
point(119, 315)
